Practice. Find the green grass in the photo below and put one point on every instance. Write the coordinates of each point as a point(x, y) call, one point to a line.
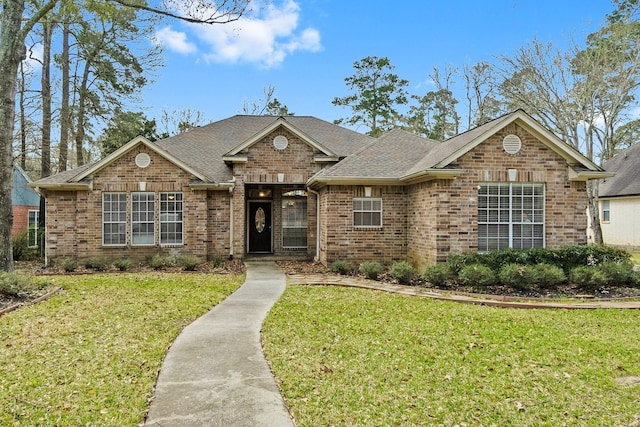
point(359, 357)
point(635, 258)
point(90, 355)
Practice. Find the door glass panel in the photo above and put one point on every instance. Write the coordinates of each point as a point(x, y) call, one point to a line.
point(260, 220)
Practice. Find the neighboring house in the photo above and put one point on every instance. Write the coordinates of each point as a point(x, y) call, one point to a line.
point(302, 187)
point(619, 200)
point(25, 205)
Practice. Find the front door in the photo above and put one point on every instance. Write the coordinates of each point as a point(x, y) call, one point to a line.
point(259, 227)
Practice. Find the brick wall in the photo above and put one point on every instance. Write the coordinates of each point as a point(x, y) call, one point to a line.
point(443, 213)
point(340, 240)
point(74, 219)
point(21, 218)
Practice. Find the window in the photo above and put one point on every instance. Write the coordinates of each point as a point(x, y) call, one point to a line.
point(170, 218)
point(142, 218)
point(32, 232)
point(510, 215)
point(114, 218)
point(606, 211)
point(367, 212)
point(294, 222)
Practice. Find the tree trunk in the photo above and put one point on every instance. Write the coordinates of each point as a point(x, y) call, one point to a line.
point(64, 106)
point(594, 211)
point(45, 81)
point(12, 51)
point(23, 121)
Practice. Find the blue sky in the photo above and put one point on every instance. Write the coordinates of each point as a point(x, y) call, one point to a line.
point(305, 48)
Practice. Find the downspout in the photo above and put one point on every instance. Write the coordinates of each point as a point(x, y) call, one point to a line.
point(231, 219)
point(317, 257)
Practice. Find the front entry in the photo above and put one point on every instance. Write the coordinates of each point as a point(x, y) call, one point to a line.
point(259, 227)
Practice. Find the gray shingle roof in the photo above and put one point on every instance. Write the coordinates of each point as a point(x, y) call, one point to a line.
point(626, 166)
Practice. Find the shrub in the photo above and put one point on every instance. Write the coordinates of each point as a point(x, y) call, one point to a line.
point(21, 249)
point(517, 276)
point(123, 264)
point(189, 262)
point(619, 273)
point(217, 261)
point(340, 266)
point(69, 264)
point(16, 285)
point(477, 275)
point(98, 264)
point(547, 276)
point(589, 255)
point(403, 272)
point(371, 269)
point(438, 275)
point(159, 262)
point(587, 277)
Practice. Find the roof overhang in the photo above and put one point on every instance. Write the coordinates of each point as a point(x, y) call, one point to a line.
point(222, 186)
point(585, 175)
point(426, 175)
point(76, 186)
point(431, 174)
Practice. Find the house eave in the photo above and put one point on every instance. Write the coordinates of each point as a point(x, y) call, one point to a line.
point(235, 159)
point(325, 159)
point(216, 186)
point(431, 174)
point(76, 186)
point(319, 182)
point(585, 175)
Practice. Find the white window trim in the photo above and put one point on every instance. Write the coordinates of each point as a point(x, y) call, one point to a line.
point(132, 222)
point(305, 227)
point(114, 222)
point(35, 228)
point(353, 219)
point(606, 211)
point(160, 221)
point(512, 222)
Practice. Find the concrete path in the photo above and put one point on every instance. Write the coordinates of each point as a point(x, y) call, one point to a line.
point(215, 373)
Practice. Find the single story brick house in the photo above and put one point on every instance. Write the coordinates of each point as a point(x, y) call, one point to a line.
point(619, 200)
point(25, 205)
point(299, 186)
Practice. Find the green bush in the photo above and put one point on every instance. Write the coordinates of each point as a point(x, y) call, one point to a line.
point(21, 249)
point(438, 275)
point(340, 266)
point(589, 255)
point(189, 262)
point(160, 262)
point(619, 273)
point(97, 264)
point(477, 276)
point(123, 264)
point(17, 285)
point(217, 261)
point(403, 272)
point(588, 277)
point(68, 264)
point(371, 269)
point(517, 276)
point(547, 276)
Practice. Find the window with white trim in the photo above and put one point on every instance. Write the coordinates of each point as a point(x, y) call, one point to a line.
point(171, 208)
point(114, 219)
point(32, 227)
point(367, 212)
point(142, 218)
point(294, 222)
point(606, 211)
point(510, 215)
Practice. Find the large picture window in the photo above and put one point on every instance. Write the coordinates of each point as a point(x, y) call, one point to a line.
point(510, 215)
point(114, 219)
point(170, 218)
point(294, 222)
point(367, 212)
point(142, 218)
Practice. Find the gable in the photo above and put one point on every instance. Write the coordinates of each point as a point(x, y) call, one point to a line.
point(21, 193)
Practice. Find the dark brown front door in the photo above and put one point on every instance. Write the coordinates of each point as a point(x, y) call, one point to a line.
point(259, 227)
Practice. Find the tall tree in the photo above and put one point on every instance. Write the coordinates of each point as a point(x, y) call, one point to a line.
point(268, 105)
point(482, 98)
point(123, 127)
point(175, 122)
point(14, 28)
point(377, 94)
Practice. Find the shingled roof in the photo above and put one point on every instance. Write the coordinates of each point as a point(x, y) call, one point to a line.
point(626, 166)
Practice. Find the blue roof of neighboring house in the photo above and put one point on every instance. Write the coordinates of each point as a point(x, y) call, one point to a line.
point(21, 193)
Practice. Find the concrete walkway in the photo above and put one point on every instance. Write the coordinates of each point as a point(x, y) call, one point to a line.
point(215, 373)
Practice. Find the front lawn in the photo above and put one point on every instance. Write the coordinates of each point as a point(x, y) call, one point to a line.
point(90, 355)
point(348, 356)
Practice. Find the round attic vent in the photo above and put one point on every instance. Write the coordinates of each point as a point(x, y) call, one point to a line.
point(143, 160)
point(280, 142)
point(511, 144)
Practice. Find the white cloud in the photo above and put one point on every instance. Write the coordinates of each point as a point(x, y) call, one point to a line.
point(174, 40)
point(264, 38)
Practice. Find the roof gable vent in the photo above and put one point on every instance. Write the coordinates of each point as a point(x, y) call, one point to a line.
point(511, 144)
